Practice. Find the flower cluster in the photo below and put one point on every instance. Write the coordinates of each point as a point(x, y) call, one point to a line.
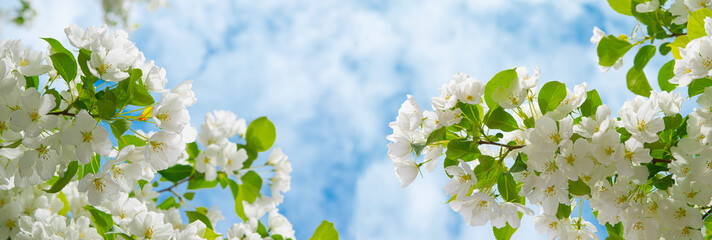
point(63, 178)
point(556, 147)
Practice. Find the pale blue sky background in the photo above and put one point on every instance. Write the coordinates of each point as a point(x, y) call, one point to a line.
point(332, 74)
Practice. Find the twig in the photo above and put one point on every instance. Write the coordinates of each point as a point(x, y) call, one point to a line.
point(510, 147)
point(658, 160)
point(65, 113)
point(175, 185)
point(706, 214)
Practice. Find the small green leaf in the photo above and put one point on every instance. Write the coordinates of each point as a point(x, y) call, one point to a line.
point(593, 100)
point(666, 73)
point(462, 149)
point(507, 187)
point(65, 204)
point(141, 96)
point(133, 140)
point(615, 232)
point(167, 203)
point(65, 66)
point(199, 182)
point(563, 212)
point(189, 195)
point(195, 215)
point(696, 23)
point(579, 188)
point(664, 49)
point(251, 185)
point(325, 231)
point(698, 86)
point(192, 149)
point(610, 49)
point(107, 109)
point(643, 56)
point(57, 47)
point(664, 183)
point(119, 127)
point(519, 164)
point(102, 221)
point(498, 118)
point(501, 79)
point(32, 82)
point(550, 95)
point(177, 172)
point(621, 6)
point(637, 82)
point(679, 42)
point(66, 178)
point(261, 134)
point(83, 58)
point(504, 233)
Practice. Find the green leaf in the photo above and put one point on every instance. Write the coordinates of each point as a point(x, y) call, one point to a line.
point(563, 212)
point(83, 59)
point(498, 118)
point(65, 204)
point(462, 149)
point(666, 73)
point(167, 203)
point(637, 82)
point(66, 178)
point(58, 48)
point(32, 82)
point(698, 86)
point(57, 98)
point(504, 233)
point(679, 42)
point(177, 172)
point(664, 49)
point(615, 232)
point(133, 140)
point(195, 215)
point(643, 56)
point(696, 23)
point(507, 188)
point(119, 127)
point(621, 6)
point(472, 112)
point(251, 185)
point(579, 188)
point(610, 49)
point(199, 182)
point(589, 107)
point(102, 221)
point(189, 195)
point(519, 164)
point(501, 79)
point(107, 109)
point(436, 135)
point(192, 149)
point(141, 96)
point(550, 95)
point(325, 231)
point(65, 65)
point(238, 196)
point(261, 134)
point(664, 183)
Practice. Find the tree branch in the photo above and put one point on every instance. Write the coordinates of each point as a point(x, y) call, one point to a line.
point(510, 147)
point(65, 113)
point(706, 214)
point(175, 185)
point(658, 160)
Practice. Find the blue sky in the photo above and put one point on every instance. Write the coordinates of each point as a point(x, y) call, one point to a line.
point(332, 74)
